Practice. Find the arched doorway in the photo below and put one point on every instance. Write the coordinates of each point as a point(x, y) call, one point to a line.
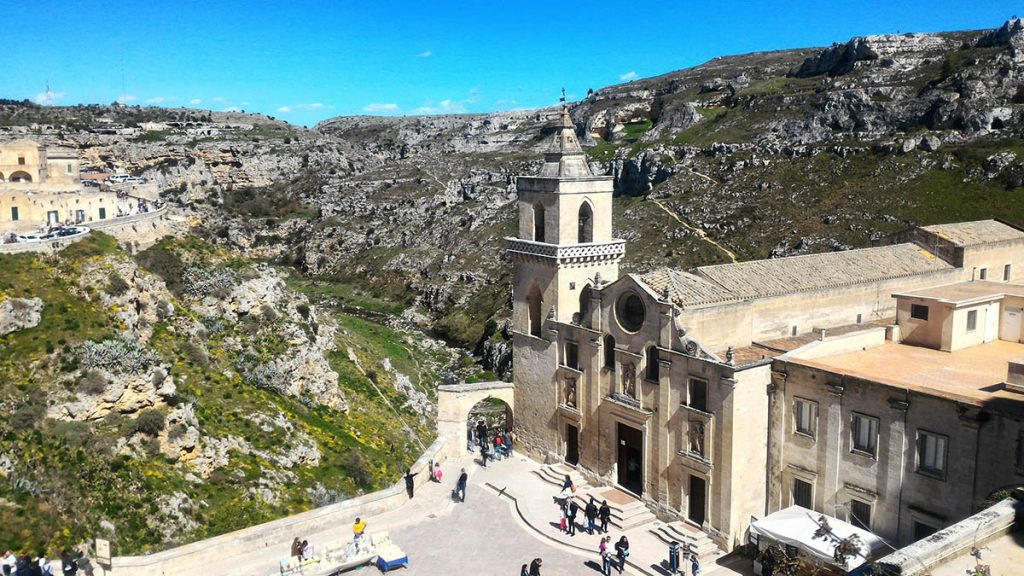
point(457, 403)
point(21, 176)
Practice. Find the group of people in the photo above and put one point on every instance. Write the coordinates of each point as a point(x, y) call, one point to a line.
point(569, 509)
point(302, 550)
point(493, 446)
point(25, 565)
point(533, 569)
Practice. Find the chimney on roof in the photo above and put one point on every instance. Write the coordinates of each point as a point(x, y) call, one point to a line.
point(1015, 376)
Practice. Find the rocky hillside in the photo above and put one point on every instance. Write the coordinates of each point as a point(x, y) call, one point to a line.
point(748, 156)
point(183, 391)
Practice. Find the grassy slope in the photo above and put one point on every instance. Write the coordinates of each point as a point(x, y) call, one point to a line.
point(66, 476)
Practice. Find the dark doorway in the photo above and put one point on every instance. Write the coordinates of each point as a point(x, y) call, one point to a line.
point(698, 492)
point(572, 445)
point(631, 459)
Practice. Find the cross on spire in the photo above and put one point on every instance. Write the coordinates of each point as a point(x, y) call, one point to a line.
point(562, 99)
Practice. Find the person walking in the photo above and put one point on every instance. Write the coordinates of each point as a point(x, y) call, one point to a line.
point(563, 513)
point(622, 552)
point(410, 482)
point(606, 555)
point(574, 508)
point(460, 486)
point(8, 563)
point(590, 513)
point(525, 570)
point(483, 454)
point(694, 565)
point(605, 513)
point(535, 567)
point(567, 483)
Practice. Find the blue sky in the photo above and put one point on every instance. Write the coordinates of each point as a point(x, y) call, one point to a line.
point(304, 61)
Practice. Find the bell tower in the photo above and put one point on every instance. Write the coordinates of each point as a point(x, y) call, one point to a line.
point(565, 234)
point(564, 242)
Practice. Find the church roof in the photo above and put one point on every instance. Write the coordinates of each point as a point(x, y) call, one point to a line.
point(564, 157)
point(978, 232)
point(724, 283)
point(685, 289)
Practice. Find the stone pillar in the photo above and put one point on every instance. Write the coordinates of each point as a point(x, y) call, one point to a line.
point(663, 431)
point(832, 443)
point(777, 414)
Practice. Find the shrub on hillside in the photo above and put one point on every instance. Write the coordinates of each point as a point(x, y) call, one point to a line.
point(92, 382)
point(200, 282)
point(116, 286)
point(150, 422)
point(165, 264)
point(117, 356)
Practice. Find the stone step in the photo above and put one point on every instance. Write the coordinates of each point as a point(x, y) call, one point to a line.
point(624, 516)
point(693, 539)
point(555, 474)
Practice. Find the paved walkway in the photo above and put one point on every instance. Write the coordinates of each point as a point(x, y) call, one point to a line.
point(488, 534)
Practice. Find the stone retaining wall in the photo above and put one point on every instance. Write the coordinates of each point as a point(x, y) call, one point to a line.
point(190, 559)
point(142, 230)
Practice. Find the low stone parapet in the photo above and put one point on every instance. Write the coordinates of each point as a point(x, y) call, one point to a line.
point(191, 559)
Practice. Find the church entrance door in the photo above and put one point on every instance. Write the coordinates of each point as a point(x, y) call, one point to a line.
point(572, 445)
point(698, 492)
point(631, 459)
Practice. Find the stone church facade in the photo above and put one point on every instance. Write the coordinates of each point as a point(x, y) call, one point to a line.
point(662, 383)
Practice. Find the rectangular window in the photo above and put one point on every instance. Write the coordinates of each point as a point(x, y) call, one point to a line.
point(931, 453)
point(794, 331)
point(919, 312)
point(972, 320)
point(803, 494)
point(1006, 273)
point(14, 214)
point(572, 355)
point(805, 412)
point(69, 168)
point(698, 395)
point(858, 318)
point(922, 530)
point(983, 274)
point(860, 514)
point(21, 160)
point(103, 213)
point(865, 434)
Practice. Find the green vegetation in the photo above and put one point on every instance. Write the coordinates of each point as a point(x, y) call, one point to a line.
point(68, 476)
point(153, 136)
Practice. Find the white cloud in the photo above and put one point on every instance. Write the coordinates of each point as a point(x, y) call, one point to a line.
point(195, 101)
point(246, 103)
point(377, 107)
point(446, 106)
point(631, 75)
point(48, 98)
point(217, 99)
point(160, 99)
point(284, 109)
point(126, 98)
point(231, 109)
point(425, 54)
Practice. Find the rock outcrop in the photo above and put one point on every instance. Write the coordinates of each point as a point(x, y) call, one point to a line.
point(19, 313)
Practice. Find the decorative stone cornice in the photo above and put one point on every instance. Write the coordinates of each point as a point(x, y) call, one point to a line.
point(565, 254)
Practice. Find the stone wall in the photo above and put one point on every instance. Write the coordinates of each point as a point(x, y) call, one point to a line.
point(191, 559)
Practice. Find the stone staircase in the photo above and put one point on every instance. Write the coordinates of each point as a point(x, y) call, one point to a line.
point(627, 512)
point(690, 538)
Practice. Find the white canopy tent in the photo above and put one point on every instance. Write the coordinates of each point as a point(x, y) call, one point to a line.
point(796, 526)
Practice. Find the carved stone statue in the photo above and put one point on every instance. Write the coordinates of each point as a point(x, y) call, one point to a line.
point(629, 379)
point(570, 392)
point(697, 437)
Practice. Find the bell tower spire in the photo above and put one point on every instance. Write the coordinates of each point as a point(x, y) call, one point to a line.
point(565, 232)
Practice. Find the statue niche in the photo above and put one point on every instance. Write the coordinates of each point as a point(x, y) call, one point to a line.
point(629, 379)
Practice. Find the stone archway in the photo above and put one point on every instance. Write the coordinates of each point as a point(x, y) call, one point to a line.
point(454, 401)
point(20, 176)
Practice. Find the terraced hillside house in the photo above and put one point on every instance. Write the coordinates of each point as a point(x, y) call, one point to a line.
point(40, 186)
point(659, 383)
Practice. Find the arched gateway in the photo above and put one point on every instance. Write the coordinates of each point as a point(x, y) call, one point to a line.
point(454, 401)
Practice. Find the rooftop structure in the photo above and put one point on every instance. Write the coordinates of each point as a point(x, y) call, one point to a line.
point(964, 234)
point(972, 375)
